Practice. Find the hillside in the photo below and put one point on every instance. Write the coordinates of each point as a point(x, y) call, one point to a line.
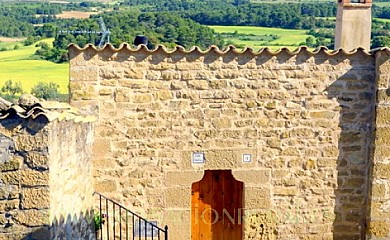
point(16, 65)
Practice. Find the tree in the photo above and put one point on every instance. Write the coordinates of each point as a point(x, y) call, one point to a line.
point(46, 90)
point(11, 90)
point(380, 41)
point(310, 41)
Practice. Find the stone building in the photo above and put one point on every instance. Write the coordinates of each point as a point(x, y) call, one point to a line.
point(299, 136)
point(222, 144)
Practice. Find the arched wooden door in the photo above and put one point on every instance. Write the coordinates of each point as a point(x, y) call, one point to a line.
point(217, 207)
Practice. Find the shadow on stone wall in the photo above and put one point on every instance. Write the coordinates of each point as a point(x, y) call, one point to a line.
point(70, 227)
point(355, 93)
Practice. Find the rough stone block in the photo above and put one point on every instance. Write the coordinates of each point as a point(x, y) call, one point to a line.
point(133, 84)
point(153, 75)
point(142, 98)
point(189, 66)
point(110, 73)
point(110, 83)
point(301, 132)
point(170, 75)
point(323, 114)
point(226, 74)
point(29, 143)
point(105, 186)
point(330, 151)
point(198, 84)
point(310, 164)
point(383, 96)
point(381, 171)
point(379, 229)
point(381, 153)
point(134, 73)
point(9, 205)
point(158, 85)
point(33, 217)
point(101, 147)
point(291, 151)
point(255, 177)
point(222, 123)
point(218, 84)
point(354, 183)
point(181, 178)
point(26, 178)
point(104, 91)
point(36, 159)
point(37, 198)
point(13, 164)
point(9, 192)
point(122, 95)
point(285, 191)
point(164, 95)
point(382, 136)
point(85, 73)
point(178, 197)
point(83, 91)
point(162, 66)
point(257, 198)
point(350, 137)
point(187, 75)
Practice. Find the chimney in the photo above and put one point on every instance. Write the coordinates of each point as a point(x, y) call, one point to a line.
point(353, 24)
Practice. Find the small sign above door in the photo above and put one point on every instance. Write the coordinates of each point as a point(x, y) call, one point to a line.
point(247, 158)
point(198, 157)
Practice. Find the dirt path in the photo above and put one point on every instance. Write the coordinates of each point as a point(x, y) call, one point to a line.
point(75, 14)
point(7, 39)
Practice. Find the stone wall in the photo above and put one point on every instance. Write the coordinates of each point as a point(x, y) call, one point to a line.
point(46, 185)
point(379, 204)
point(71, 183)
point(305, 117)
point(25, 195)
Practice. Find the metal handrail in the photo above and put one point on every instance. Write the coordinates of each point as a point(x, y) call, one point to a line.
point(135, 233)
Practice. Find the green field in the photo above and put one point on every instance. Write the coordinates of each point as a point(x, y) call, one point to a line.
point(382, 4)
point(382, 19)
point(286, 37)
point(15, 65)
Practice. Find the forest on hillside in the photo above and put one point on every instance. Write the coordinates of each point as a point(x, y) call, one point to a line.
point(170, 22)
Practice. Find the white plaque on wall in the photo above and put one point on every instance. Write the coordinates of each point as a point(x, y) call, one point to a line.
point(247, 158)
point(198, 157)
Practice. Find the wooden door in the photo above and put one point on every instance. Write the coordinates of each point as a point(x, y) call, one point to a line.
point(217, 207)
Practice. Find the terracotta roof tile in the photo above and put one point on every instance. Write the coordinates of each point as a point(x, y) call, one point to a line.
point(216, 50)
point(29, 107)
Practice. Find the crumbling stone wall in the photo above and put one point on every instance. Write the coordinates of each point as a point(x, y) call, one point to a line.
point(306, 118)
point(45, 176)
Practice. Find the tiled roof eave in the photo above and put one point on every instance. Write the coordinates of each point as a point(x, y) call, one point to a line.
point(216, 50)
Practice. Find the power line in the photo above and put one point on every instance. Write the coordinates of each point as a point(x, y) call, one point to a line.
point(104, 31)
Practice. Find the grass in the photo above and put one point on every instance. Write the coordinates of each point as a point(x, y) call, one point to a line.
point(382, 4)
point(286, 37)
point(382, 19)
point(15, 65)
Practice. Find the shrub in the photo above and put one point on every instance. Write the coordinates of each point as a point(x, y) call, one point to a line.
point(11, 90)
point(46, 90)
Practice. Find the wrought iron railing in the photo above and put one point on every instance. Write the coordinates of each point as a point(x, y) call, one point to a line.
point(118, 222)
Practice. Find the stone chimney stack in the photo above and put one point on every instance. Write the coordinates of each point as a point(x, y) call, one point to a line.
point(353, 24)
